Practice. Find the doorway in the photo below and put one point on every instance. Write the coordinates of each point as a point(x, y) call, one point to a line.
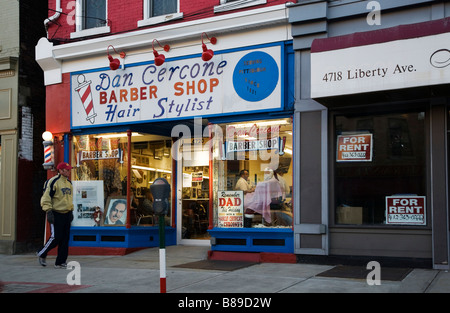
point(193, 195)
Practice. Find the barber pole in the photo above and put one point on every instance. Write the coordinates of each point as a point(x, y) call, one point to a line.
point(84, 91)
point(48, 154)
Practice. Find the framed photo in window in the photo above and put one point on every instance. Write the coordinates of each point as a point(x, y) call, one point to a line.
point(116, 211)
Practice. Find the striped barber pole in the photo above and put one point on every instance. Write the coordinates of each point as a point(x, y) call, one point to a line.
point(48, 154)
point(84, 91)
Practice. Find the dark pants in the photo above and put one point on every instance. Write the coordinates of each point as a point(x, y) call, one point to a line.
point(60, 235)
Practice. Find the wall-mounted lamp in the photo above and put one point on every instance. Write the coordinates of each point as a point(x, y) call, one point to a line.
point(114, 64)
point(48, 150)
point(208, 53)
point(159, 58)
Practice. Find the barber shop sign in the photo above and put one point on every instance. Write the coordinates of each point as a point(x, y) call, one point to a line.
point(238, 81)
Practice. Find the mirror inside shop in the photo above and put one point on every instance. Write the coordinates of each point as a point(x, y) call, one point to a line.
point(100, 178)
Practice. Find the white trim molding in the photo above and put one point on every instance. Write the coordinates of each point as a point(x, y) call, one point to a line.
point(79, 30)
point(227, 5)
point(153, 20)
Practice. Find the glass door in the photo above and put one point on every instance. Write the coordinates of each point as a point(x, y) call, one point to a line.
point(193, 179)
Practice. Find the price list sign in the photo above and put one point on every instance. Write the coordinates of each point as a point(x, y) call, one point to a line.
point(405, 210)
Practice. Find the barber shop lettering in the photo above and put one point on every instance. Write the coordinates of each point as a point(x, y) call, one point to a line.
point(182, 88)
point(119, 93)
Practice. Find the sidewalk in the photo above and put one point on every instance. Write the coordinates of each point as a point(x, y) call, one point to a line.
point(138, 272)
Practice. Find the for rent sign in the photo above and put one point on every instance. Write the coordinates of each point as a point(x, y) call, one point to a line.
point(354, 148)
point(406, 210)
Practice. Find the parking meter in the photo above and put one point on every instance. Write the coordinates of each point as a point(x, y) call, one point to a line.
point(161, 192)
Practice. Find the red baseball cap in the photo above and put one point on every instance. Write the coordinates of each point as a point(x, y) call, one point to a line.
point(64, 166)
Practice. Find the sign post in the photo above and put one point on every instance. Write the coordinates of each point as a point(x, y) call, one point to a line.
point(162, 255)
point(161, 191)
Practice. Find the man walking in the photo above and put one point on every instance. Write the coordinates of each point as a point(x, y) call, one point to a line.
point(57, 203)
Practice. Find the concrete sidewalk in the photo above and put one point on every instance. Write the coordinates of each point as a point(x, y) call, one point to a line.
point(138, 272)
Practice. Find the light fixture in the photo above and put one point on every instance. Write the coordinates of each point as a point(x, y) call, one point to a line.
point(114, 64)
point(208, 53)
point(159, 58)
point(47, 136)
point(117, 135)
point(48, 150)
point(146, 168)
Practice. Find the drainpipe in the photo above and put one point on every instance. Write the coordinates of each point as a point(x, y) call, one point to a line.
point(54, 17)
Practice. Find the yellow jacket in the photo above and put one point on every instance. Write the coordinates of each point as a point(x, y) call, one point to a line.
point(58, 195)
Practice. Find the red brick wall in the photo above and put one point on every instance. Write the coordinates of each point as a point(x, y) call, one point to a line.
point(124, 15)
point(58, 106)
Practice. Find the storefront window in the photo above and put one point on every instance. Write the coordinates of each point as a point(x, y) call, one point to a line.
point(380, 174)
point(252, 174)
point(100, 177)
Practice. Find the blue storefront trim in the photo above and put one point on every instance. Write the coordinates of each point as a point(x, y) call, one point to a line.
point(277, 240)
point(120, 237)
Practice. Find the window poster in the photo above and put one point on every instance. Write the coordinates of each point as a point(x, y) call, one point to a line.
point(354, 147)
point(406, 210)
point(231, 209)
point(87, 198)
point(197, 177)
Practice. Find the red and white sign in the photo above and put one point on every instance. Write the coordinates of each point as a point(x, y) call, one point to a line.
point(354, 148)
point(408, 210)
point(231, 209)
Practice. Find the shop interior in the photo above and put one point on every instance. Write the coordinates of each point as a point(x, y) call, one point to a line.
point(229, 164)
point(103, 157)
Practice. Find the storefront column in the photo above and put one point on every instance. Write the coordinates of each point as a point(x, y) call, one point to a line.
point(439, 183)
point(128, 223)
point(310, 179)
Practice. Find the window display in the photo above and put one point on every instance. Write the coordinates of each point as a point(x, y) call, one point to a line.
point(253, 159)
point(380, 165)
point(102, 158)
